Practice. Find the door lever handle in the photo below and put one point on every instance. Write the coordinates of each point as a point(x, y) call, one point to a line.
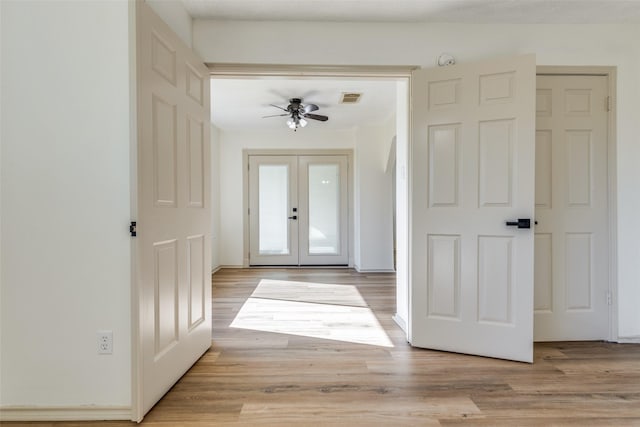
point(293, 217)
point(520, 223)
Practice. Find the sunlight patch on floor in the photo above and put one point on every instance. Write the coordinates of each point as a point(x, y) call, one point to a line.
point(315, 310)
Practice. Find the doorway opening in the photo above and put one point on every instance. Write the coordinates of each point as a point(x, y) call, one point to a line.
point(400, 175)
point(373, 219)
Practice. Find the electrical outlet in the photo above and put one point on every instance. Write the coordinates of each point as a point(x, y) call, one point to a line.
point(105, 342)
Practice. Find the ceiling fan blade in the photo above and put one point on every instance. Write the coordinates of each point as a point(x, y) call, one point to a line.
point(316, 117)
point(310, 107)
point(283, 109)
point(276, 115)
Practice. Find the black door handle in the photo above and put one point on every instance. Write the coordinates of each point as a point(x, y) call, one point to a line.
point(293, 217)
point(520, 223)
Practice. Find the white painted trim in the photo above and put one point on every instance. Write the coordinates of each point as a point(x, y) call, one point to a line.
point(613, 203)
point(628, 340)
point(309, 71)
point(65, 413)
point(400, 322)
point(612, 186)
point(216, 269)
point(373, 270)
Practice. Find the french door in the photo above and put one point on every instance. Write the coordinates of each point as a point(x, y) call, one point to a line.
point(298, 210)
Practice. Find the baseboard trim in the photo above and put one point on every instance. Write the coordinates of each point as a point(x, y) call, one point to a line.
point(400, 322)
point(216, 269)
point(230, 266)
point(628, 340)
point(373, 270)
point(65, 413)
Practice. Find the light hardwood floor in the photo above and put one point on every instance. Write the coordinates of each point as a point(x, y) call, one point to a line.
point(311, 373)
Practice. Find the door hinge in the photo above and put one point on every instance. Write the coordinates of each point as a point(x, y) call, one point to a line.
point(608, 103)
point(133, 228)
point(608, 297)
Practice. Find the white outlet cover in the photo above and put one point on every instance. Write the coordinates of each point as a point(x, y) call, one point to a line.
point(105, 342)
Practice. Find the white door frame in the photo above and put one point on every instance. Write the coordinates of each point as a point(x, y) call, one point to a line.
point(286, 152)
point(611, 74)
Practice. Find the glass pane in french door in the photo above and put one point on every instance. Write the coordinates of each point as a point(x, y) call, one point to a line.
point(324, 209)
point(273, 203)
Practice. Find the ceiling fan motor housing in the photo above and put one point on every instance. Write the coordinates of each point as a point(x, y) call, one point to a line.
point(294, 104)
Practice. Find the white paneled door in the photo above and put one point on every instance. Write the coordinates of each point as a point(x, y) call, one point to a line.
point(571, 270)
point(298, 210)
point(473, 164)
point(174, 209)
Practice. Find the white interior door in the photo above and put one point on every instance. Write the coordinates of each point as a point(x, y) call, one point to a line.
point(472, 171)
point(273, 210)
point(323, 208)
point(572, 236)
point(174, 209)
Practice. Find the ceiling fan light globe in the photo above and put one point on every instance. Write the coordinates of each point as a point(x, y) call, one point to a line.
point(291, 123)
point(303, 122)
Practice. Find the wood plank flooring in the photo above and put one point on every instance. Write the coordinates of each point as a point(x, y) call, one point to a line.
point(260, 378)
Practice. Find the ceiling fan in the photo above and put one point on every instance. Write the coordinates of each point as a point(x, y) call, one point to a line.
point(299, 113)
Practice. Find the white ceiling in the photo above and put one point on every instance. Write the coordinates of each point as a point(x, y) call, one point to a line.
point(461, 11)
point(240, 104)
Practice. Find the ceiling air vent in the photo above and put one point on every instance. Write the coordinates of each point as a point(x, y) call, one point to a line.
point(350, 97)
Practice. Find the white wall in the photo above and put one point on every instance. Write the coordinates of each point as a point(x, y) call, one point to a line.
point(65, 203)
point(231, 171)
point(215, 197)
point(374, 204)
point(420, 44)
point(175, 16)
